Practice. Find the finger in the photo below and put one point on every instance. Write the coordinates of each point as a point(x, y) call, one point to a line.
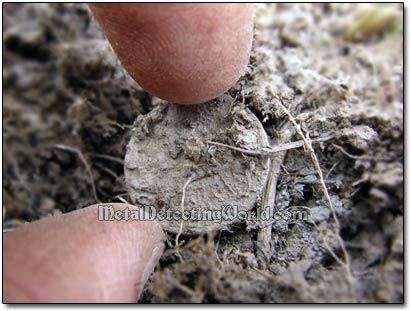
point(76, 258)
point(183, 53)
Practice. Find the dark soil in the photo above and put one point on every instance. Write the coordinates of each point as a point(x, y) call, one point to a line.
point(69, 109)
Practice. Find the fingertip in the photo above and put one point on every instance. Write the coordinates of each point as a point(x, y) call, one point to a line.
point(77, 258)
point(182, 53)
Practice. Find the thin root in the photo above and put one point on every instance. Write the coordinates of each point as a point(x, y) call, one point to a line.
point(108, 157)
point(183, 197)
point(83, 159)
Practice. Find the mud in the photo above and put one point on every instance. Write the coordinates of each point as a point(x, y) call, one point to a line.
point(65, 94)
point(169, 147)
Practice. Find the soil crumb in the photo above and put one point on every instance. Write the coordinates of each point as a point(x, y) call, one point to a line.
point(70, 110)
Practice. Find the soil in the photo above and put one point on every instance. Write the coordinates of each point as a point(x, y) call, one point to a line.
point(169, 146)
point(70, 110)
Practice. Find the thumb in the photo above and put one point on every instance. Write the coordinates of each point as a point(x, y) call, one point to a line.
point(181, 52)
point(75, 257)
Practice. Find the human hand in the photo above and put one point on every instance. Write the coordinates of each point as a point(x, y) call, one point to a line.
point(74, 257)
point(185, 53)
point(182, 53)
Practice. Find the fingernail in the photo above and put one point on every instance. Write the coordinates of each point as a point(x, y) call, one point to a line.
point(151, 263)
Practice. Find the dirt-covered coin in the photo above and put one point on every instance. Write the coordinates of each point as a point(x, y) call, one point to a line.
point(169, 153)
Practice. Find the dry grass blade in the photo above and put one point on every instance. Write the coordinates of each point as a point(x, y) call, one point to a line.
point(272, 150)
point(310, 151)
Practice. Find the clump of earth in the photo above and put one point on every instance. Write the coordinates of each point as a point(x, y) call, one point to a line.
point(70, 110)
point(178, 137)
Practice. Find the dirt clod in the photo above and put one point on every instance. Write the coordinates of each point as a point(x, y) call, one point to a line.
point(164, 153)
point(64, 86)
